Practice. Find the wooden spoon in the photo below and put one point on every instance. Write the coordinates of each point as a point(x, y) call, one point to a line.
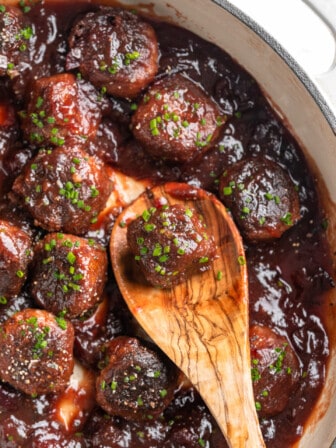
point(202, 324)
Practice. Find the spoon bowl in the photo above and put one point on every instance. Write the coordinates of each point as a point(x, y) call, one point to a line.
point(202, 323)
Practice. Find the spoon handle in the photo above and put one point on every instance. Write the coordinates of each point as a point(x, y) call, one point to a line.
point(217, 362)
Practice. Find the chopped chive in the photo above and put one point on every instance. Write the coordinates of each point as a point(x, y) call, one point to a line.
point(71, 257)
point(227, 191)
point(287, 219)
point(163, 393)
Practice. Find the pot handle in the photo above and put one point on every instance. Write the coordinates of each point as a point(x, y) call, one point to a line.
point(326, 10)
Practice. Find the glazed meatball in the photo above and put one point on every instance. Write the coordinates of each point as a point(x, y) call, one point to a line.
point(275, 370)
point(68, 274)
point(61, 108)
point(115, 432)
point(64, 189)
point(193, 427)
point(15, 37)
point(36, 355)
point(15, 254)
point(262, 198)
point(170, 244)
point(115, 50)
point(137, 383)
point(176, 120)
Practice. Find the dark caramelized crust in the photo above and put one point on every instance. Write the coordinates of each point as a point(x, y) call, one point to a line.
point(170, 244)
point(61, 109)
point(115, 50)
point(275, 370)
point(261, 197)
point(68, 274)
point(36, 355)
point(15, 254)
point(176, 120)
point(137, 383)
point(64, 189)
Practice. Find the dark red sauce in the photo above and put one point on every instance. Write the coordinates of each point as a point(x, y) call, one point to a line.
point(288, 278)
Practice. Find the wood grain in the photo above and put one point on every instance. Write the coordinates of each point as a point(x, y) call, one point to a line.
point(202, 324)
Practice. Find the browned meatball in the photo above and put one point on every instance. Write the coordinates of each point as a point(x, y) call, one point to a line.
point(61, 108)
point(64, 189)
point(137, 383)
point(36, 354)
point(262, 198)
point(115, 50)
point(68, 274)
point(15, 254)
point(176, 120)
point(192, 426)
point(170, 244)
point(275, 370)
point(115, 432)
point(15, 36)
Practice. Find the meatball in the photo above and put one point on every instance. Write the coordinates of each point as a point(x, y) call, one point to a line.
point(114, 432)
point(176, 120)
point(170, 244)
point(64, 189)
point(68, 274)
point(115, 50)
point(275, 370)
point(15, 37)
point(193, 427)
point(137, 383)
point(61, 108)
point(262, 198)
point(36, 355)
point(15, 254)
